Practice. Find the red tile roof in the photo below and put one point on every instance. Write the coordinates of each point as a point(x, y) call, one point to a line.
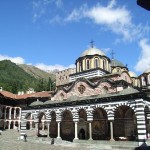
point(43, 94)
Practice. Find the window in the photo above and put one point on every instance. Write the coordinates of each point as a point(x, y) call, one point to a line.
point(80, 66)
point(87, 64)
point(104, 64)
point(96, 63)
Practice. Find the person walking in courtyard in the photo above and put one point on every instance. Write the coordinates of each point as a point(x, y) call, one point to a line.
point(25, 137)
point(52, 141)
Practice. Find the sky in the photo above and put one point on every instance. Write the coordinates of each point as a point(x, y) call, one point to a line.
point(52, 34)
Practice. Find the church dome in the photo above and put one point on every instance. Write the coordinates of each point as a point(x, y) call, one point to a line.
point(132, 74)
point(92, 51)
point(116, 63)
point(147, 71)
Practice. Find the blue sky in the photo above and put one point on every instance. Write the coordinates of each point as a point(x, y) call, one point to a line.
point(53, 33)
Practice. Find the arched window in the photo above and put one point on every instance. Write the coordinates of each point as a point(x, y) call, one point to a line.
point(104, 64)
point(96, 63)
point(80, 66)
point(87, 64)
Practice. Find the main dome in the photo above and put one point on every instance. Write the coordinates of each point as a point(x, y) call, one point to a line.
point(92, 51)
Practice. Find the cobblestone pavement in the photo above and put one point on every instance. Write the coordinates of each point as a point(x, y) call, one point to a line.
point(9, 140)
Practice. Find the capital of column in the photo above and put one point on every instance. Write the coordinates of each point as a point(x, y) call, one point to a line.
point(75, 120)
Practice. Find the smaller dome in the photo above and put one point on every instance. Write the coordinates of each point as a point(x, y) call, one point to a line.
point(116, 63)
point(36, 103)
point(132, 74)
point(92, 51)
point(147, 71)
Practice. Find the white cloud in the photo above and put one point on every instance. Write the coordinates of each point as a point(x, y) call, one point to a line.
point(114, 18)
point(42, 7)
point(59, 3)
point(144, 60)
point(53, 67)
point(17, 60)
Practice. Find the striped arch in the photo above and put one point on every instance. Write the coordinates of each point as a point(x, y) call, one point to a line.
point(82, 107)
point(125, 122)
point(132, 106)
point(28, 114)
point(41, 113)
point(100, 128)
point(100, 106)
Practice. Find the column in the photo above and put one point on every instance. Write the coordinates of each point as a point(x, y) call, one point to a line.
point(19, 113)
point(90, 131)
point(43, 125)
point(30, 125)
point(48, 125)
point(10, 112)
point(15, 113)
point(13, 124)
point(18, 125)
point(58, 135)
point(111, 131)
point(5, 117)
point(9, 122)
point(141, 124)
point(36, 129)
point(76, 130)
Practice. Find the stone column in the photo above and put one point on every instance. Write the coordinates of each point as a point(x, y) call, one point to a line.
point(90, 119)
point(48, 125)
point(9, 122)
point(10, 112)
point(76, 130)
point(43, 123)
point(19, 113)
point(140, 115)
point(111, 131)
point(15, 113)
point(36, 129)
point(90, 131)
point(30, 125)
point(5, 117)
point(58, 135)
point(19, 126)
point(13, 124)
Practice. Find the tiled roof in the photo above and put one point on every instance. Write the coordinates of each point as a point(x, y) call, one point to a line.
point(7, 94)
point(25, 96)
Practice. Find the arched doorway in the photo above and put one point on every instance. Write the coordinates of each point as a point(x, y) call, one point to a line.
point(28, 117)
point(41, 124)
point(100, 129)
point(125, 124)
point(67, 126)
point(11, 125)
point(53, 125)
point(83, 127)
point(82, 134)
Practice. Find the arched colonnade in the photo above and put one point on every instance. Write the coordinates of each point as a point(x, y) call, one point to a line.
point(82, 123)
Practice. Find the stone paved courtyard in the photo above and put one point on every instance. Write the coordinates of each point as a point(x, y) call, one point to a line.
point(9, 141)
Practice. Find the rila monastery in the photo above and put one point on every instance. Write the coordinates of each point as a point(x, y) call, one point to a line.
point(100, 99)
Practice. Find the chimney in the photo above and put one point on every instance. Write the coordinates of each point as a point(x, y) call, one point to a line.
point(1, 89)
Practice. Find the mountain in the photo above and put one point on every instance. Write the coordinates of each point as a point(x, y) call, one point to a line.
point(36, 72)
point(13, 78)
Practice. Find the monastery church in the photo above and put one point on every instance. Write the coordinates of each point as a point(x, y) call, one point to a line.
point(99, 99)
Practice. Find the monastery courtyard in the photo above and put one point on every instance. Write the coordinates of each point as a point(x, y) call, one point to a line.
point(9, 141)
